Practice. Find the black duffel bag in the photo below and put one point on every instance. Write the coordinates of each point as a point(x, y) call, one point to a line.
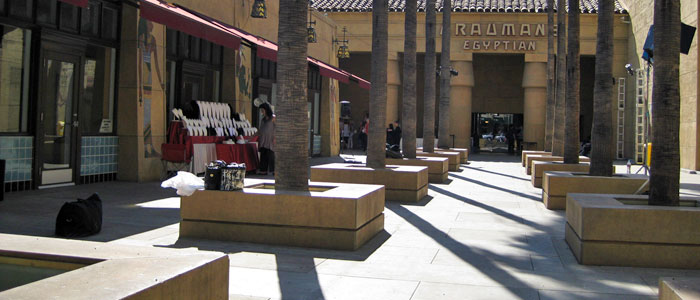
point(80, 218)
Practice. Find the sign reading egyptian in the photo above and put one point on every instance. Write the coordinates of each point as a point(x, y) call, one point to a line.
point(501, 36)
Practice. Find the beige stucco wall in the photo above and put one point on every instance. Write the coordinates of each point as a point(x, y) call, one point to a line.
point(134, 165)
point(642, 16)
point(478, 98)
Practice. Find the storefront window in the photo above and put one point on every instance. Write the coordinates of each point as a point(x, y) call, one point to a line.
point(97, 102)
point(14, 78)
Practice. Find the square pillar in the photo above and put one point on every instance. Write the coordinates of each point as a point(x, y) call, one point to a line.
point(330, 117)
point(141, 102)
point(461, 103)
point(535, 100)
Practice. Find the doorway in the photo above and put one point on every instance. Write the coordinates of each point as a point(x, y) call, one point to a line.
point(57, 128)
point(495, 132)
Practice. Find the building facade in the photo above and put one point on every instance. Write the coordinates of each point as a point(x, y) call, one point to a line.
point(87, 86)
point(500, 53)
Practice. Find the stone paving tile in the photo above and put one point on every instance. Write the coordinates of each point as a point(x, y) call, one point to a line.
point(565, 295)
point(485, 234)
point(430, 290)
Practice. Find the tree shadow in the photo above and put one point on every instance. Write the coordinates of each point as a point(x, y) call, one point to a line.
point(531, 197)
point(295, 267)
point(125, 211)
point(496, 173)
point(479, 258)
point(541, 245)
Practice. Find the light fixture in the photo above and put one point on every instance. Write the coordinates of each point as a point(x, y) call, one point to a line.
point(310, 30)
point(259, 9)
point(630, 69)
point(453, 72)
point(343, 50)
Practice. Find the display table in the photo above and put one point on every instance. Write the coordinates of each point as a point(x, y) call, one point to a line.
point(202, 155)
point(239, 153)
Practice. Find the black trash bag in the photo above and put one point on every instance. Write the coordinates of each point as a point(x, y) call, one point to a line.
point(80, 218)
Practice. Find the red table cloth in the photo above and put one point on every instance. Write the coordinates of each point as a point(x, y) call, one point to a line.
point(239, 153)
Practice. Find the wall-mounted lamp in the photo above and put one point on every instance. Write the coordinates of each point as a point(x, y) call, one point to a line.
point(310, 30)
point(343, 50)
point(630, 69)
point(259, 9)
point(453, 72)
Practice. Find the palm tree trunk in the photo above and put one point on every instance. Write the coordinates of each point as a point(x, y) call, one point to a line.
point(409, 81)
point(292, 138)
point(572, 139)
point(444, 125)
point(551, 82)
point(665, 157)
point(601, 140)
point(429, 87)
point(560, 108)
point(376, 147)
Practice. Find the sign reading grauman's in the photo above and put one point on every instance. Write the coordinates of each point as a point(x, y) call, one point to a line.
point(501, 36)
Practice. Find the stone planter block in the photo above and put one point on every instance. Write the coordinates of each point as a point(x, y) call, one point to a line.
point(402, 183)
point(332, 215)
point(463, 153)
point(437, 166)
point(96, 270)
point(531, 158)
point(555, 186)
point(525, 153)
point(602, 230)
point(539, 167)
point(671, 288)
point(453, 158)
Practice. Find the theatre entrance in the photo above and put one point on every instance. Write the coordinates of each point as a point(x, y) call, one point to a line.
point(496, 132)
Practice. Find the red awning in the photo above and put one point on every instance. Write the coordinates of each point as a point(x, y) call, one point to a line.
point(81, 3)
point(329, 71)
point(264, 48)
point(182, 20)
point(361, 82)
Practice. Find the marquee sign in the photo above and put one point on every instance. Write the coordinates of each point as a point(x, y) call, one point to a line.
point(501, 36)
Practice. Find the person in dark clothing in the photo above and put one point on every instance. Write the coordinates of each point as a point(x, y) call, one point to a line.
point(266, 141)
point(510, 137)
point(390, 134)
point(397, 134)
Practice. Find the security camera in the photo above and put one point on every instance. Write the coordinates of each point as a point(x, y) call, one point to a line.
point(630, 69)
point(453, 72)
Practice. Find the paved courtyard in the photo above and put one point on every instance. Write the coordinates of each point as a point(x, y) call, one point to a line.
point(483, 235)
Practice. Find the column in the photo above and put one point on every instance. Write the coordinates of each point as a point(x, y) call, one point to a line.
point(535, 99)
point(141, 102)
point(393, 111)
point(461, 102)
point(330, 117)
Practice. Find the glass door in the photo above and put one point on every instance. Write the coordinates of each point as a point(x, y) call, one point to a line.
point(58, 119)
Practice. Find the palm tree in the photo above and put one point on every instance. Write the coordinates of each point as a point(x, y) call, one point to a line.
point(444, 125)
point(665, 157)
point(429, 77)
point(376, 147)
point(409, 81)
point(601, 142)
point(571, 141)
point(292, 144)
point(551, 83)
point(560, 109)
